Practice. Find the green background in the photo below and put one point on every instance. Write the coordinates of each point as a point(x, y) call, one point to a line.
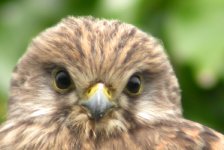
point(192, 32)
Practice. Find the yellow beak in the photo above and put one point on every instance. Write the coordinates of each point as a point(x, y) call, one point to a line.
point(98, 100)
point(99, 89)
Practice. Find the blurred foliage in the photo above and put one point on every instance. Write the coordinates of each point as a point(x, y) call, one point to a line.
point(191, 31)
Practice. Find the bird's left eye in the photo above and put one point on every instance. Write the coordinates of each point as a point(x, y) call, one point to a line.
point(61, 81)
point(134, 85)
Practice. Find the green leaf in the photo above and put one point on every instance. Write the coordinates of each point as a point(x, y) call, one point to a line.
point(196, 37)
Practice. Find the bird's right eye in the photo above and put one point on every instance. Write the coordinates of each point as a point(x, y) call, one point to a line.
point(61, 81)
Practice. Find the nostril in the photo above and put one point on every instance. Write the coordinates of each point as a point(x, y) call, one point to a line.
point(108, 91)
point(89, 91)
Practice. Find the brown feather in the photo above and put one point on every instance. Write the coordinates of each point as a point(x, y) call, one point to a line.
point(93, 51)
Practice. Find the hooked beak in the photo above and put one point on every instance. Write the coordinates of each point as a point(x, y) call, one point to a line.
point(98, 101)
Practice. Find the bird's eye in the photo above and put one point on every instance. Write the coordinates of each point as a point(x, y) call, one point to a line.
point(134, 85)
point(61, 81)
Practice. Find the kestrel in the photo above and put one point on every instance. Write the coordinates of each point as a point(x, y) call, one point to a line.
point(95, 84)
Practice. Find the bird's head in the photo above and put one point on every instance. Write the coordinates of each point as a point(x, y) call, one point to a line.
point(97, 76)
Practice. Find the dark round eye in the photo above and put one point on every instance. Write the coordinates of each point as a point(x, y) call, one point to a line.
point(62, 81)
point(134, 85)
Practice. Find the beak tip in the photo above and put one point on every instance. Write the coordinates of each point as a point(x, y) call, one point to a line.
point(96, 112)
point(98, 101)
point(97, 115)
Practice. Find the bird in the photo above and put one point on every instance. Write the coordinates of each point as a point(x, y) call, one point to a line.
point(95, 84)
